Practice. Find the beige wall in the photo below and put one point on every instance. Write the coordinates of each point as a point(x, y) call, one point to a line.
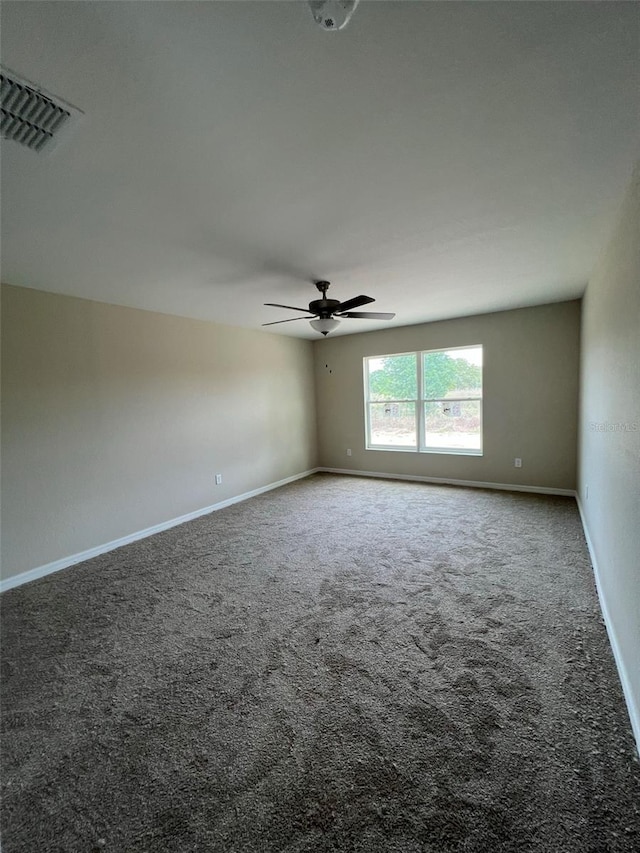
point(610, 434)
point(530, 397)
point(116, 419)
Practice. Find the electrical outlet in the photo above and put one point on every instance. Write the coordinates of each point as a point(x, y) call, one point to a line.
point(348, 451)
point(218, 479)
point(517, 462)
point(586, 493)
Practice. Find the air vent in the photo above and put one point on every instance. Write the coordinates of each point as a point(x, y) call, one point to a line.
point(29, 115)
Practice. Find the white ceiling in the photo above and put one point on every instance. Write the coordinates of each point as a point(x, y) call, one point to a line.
point(444, 158)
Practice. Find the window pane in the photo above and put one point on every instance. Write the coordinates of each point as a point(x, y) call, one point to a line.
point(453, 373)
point(393, 424)
point(454, 425)
point(393, 377)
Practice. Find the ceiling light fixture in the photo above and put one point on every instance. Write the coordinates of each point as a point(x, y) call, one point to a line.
point(324, 325)
point(332, 14)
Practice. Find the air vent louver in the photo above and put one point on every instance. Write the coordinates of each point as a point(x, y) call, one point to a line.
point(28, 115)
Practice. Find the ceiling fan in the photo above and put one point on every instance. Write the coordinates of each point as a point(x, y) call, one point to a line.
point(329, 312)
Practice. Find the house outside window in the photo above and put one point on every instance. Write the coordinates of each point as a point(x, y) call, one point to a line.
point(428, 401)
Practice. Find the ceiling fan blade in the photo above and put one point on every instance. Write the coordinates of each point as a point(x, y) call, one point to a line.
point(289, 307)
point(368, 315)
point(356, 302)
point(290, 320)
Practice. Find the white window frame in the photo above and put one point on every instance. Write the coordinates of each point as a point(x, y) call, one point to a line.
point(421, 446)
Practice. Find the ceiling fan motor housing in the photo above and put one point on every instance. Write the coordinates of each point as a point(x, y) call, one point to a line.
point(324, 307)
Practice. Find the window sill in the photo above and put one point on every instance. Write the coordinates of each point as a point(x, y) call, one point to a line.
point(440, 451)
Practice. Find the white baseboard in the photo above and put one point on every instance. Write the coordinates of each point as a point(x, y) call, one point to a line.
point(65, 562)
point(633, 702)
point(475, 484)
point(73, 559)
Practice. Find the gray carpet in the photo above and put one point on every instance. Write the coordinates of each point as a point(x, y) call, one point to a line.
point(343, 664)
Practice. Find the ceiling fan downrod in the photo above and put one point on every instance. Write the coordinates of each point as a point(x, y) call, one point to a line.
point(323, 308)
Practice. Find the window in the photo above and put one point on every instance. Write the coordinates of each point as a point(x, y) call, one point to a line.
point(425, 401)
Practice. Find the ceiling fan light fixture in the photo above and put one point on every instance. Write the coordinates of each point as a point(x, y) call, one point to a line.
point(324, 325)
